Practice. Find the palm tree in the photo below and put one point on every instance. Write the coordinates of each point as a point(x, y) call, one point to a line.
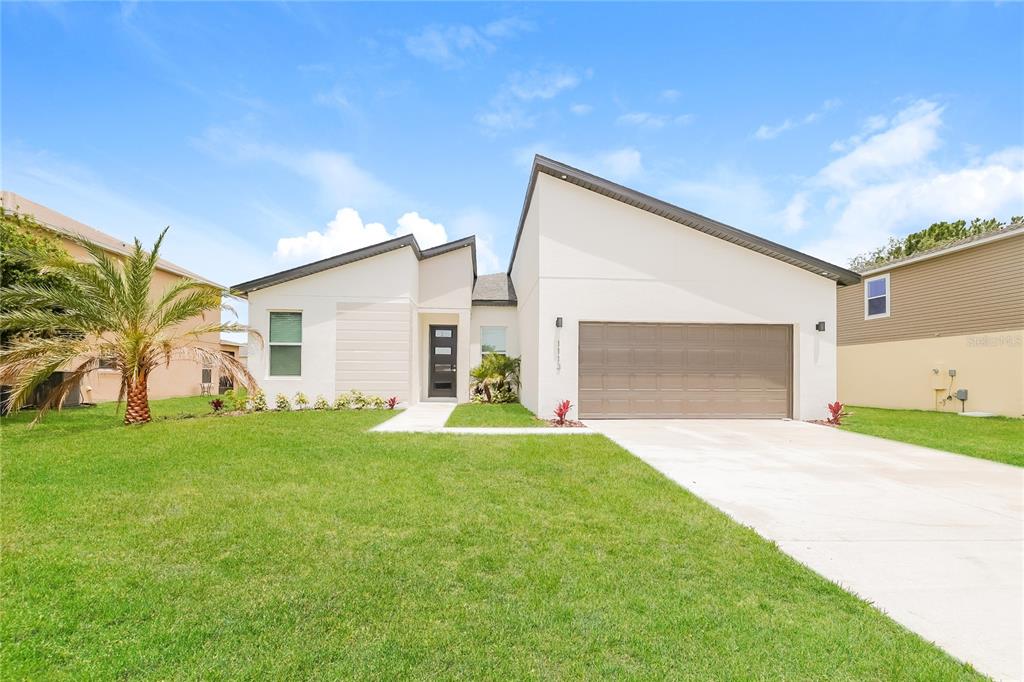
point(103, 310)
point(497, 376)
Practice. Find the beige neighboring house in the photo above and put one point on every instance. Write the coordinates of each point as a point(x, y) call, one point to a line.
point(181, 377)
point(917, 330)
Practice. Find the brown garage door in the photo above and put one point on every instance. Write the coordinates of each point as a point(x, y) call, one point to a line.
point(630, 370)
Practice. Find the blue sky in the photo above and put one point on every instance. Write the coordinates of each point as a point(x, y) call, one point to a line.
point(272, 134)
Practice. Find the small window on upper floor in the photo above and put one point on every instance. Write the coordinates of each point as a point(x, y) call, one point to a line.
point(492, 340)
point(876, 297)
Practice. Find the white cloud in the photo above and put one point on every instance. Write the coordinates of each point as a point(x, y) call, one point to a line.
point(335, 99)
point(670, 95)
point(644, 119)
point(347, 232)
point(509, 27)
point(581, 109)
point(537, 84)
point(770, 132)
point(730, 195)
point(450, 45)
point(340, 180)
point(427, 233)
point(508, 107)
point(505, 118)
point(622, 164)
point(872, 213)
point(194, 242)
point(913, 134)
point(476, 221)
point(767, 132)
point(887, 184)
point(444, 45)
point(793, 215)
point(870, 125)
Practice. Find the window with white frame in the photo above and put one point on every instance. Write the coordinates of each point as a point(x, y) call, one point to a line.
point(876, 297)
point(285, 344)
point(492, 340)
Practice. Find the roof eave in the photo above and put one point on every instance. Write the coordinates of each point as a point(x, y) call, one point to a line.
point(1006, 233)
point(348, 257)
point(687, 218)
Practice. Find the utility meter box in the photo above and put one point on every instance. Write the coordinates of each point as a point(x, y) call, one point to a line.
point(961, 394)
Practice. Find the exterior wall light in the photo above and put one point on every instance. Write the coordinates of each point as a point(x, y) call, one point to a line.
point(820, 326)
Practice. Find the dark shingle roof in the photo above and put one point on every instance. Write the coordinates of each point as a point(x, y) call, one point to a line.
point(676, 214)
point(494, 290)
point(353, 256)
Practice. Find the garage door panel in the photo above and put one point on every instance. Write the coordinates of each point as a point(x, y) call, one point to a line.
point(684, 370)
point(645, 357)
point(618, 357)
point(643, 382)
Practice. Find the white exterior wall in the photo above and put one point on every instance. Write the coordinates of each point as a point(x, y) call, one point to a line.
point(353, 332)
point(446, 294)
point(494, 316)
point(602, 260)
point(390, 278)
point(525, 279)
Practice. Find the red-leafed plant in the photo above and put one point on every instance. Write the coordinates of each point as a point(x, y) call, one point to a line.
point(391, 402)
point(835, 413)
point(217, 404)
point(561, 411)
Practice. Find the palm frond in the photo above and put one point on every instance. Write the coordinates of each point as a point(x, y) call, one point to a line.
point(28, 361)
point(218, 360)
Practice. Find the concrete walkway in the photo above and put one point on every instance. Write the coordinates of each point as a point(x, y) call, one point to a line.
point(934, 540)
point(431, 417)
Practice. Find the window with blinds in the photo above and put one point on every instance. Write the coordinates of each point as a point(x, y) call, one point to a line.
point(285, 344)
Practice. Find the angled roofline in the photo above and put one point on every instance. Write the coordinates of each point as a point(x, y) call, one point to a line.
point(1012, 230)
point(509, 300)
point(542, 164)
point(76, 229)
point(356, 255)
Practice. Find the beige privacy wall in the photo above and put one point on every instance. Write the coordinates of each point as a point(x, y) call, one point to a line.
point(373, 348)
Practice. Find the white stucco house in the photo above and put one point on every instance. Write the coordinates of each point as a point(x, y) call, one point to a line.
point(621, 303)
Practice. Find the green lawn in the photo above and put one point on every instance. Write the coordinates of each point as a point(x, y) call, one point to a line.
point(997, 438)
point(297, 545)
point(487, 414)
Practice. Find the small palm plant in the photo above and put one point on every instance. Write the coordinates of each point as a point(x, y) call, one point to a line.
point(103, 309)
point(497, 377)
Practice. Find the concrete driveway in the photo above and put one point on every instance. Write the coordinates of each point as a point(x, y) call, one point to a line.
point(932, 539)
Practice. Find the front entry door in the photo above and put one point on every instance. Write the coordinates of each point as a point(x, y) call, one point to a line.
point(443, 345)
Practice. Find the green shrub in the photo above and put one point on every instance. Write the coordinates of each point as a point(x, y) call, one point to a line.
point(281, 402)
point(496, 379)
point(321, 403)
point(235, 401)
point(259, 400)
point(301, 401)
point(343, 401)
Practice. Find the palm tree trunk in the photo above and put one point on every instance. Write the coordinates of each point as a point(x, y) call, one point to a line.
point(137, 402)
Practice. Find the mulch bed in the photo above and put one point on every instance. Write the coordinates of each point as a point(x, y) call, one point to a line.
point(568, 423)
